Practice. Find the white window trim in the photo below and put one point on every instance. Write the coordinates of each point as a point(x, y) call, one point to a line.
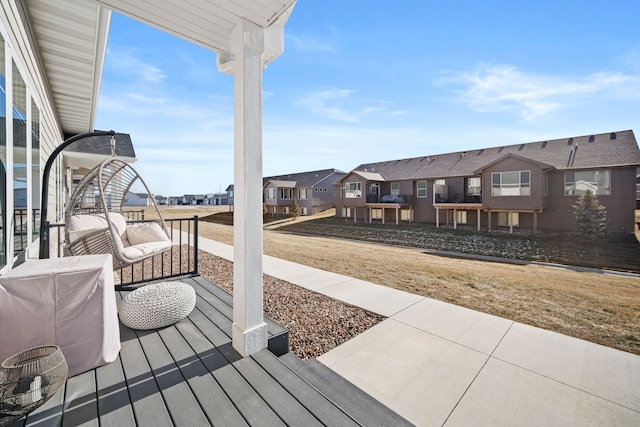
point(354, 193)
point(497, 191)
point(418, 189)
point(604, 191)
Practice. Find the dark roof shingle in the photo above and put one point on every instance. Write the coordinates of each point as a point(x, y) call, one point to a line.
point(581, 152)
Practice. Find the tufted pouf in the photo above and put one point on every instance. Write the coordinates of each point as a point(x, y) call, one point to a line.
point(157, 305)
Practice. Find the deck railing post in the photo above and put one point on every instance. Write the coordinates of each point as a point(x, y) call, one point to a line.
point(195, 245)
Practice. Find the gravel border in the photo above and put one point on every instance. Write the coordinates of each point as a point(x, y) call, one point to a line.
point(316, 323)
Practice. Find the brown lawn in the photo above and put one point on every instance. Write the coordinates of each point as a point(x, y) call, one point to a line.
point(604, 309)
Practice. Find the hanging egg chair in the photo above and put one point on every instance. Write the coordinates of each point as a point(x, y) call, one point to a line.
point(94, 221)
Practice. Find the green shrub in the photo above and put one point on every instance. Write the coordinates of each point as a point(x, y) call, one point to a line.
point(590, 218)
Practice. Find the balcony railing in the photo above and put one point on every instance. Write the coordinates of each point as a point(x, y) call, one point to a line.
point(402, 199)
point(458, 198)
point(180, 261)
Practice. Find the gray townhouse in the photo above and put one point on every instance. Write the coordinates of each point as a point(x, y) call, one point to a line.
point(531, 186)
point(314, 191)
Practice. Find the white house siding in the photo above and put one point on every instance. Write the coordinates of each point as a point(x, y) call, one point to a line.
point(19, 48)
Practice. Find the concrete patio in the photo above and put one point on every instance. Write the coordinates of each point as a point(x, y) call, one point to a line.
point(439, 364)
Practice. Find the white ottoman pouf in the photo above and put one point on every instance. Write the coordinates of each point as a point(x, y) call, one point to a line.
point(157, 305)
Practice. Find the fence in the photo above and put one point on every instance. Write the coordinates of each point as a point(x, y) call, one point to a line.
point(180, 261)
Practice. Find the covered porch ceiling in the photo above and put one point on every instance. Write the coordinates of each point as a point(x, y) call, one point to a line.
point(71, 38)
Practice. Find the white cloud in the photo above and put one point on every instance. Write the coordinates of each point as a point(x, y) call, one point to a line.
point(341, 104)
point(325, 103)
point(496, 88)
point(129, 61)
point(310, 44)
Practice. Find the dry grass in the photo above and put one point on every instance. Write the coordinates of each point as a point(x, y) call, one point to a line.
point(600, 308)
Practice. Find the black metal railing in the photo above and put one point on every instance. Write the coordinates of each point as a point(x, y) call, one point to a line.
point(458, 198)
point(402, 199)
point(180, 261)
point(21, 239)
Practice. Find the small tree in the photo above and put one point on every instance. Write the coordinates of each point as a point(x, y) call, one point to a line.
point(590, 217)
point(294, 210)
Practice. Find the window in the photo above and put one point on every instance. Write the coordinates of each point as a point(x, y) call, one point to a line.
point(406, 215)
point(395, 188)
point(421, 187)
point(439, 182)
point(460, 217)
point(352, 190)
point(302, 193)
point(376, 213)
point(271, 193)
point(286, 193)
point(19, 122)
point(3, 158)
point(577, 183)
point(303, 211)
point(503, 219)
point(474, 186)
point(545, 184)
point(511, 183)
point(35, 170)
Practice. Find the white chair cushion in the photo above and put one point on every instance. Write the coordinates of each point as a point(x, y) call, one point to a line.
point(157, 305)
point(119, 223)
point(146, 232)
point(80, 225)
point(136, 251)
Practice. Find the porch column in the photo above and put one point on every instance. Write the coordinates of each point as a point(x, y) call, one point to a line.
point(249, 329)
point(489, 217)
point(437, 217)
point(455, 219)
point(510, 222)
point(478, 219)
point(397, 215)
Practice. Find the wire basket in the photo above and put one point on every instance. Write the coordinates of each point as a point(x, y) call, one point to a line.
point(29, 378)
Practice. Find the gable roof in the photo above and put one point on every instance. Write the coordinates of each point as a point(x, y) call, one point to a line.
point(89, 152)
point(580, 152)
point(543, 166)
point(101, 145)
point(281, 184)
point(304, 179)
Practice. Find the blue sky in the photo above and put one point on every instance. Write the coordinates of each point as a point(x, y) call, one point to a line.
point(366, 81)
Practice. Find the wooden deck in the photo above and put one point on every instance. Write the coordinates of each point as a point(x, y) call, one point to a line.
point(188, 374)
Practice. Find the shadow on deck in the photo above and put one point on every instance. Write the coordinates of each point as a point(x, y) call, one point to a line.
point(189, 374)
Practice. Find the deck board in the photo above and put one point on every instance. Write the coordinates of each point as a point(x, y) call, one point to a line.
point(189, 374)
point(81, 401)
point(114, 405)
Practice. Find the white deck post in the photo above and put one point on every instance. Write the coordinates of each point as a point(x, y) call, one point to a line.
point(249, 328)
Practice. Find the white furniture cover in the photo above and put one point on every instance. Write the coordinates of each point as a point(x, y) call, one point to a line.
point(69, 302)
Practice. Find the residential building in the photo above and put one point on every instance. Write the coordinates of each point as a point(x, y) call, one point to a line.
point(314, 191)
point(138, 199)
point(532, 185)
point(229, 191)
point(216, 199)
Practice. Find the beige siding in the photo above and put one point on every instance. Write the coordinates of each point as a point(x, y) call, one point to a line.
point(21, 49)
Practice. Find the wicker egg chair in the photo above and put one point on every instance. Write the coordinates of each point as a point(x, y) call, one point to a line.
point(94, 221)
